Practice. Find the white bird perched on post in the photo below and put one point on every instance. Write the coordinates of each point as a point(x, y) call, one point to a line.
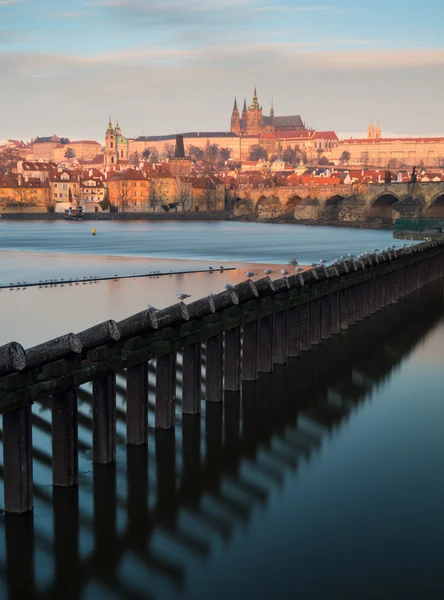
point(284, 272)
point(249, 274)
point(183, 296)
point(299, 270)
point(268, 271)
point(228, 286)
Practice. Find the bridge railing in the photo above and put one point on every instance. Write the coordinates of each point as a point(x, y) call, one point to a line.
point(243, 331)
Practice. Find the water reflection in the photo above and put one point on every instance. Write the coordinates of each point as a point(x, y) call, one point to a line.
point(157, 514)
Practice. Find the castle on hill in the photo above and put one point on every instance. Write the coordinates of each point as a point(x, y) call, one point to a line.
point(253, 122)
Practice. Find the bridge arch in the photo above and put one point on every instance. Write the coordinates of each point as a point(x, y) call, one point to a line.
point(382, 206)
point(333, 206)
point(268, 207)
point(436, 207)
point(334, 200)
point(243, 207)
point(292, 201)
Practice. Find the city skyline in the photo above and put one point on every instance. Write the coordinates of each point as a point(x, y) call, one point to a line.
point(172, 67)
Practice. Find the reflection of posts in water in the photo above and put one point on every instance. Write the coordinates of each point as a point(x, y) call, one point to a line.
point(166, 476)
point(19, 533)
point(191, 469)
point(106, 551)
point(139, 522)
point(68, 582)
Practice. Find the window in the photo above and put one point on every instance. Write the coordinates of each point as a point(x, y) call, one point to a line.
point(112, 159)
point(112, 144)
point(121, 154)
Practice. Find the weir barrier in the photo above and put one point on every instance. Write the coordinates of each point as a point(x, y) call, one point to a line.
point(241, 332)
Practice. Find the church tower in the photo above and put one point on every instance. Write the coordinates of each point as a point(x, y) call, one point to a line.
point(378, 134)
point(110, 145)
point(254, 116)
point(272, 110)
point(371, 131)
point(244, 110)
point(235, 120)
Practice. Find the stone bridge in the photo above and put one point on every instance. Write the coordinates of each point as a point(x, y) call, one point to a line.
point(354, 203)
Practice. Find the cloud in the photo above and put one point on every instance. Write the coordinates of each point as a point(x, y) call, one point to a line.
point(9, 2)
point(71, 14)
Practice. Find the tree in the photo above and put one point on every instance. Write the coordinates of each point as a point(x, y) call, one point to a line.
point(319, 152)
point(290, 156)
point(146, 153)
point(196, 153)
point(153, 155)
point(393, 163)
point(122, 187)
point(364, 158)
point(70, 153)
point(183, 193)
point(211, 153)
point(169, 150)
point(345, 156)
point(257, 153)
point(134, 158)
point(324, 161)
point(157, 194)
point(224, 154)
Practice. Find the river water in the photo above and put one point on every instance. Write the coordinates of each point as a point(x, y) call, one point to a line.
point(322, 480)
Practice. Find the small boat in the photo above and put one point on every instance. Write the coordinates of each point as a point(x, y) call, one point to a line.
point(74, 214)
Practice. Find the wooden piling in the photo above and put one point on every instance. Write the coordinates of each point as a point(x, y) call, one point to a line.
point(334, 305)
point(166, 391)
point(233, 370)
point(191, 379)
point(351, 298)
point(280, 338)
point(343, 310)
point(64, 439)
point(137, 404)
point(104, 419)
point(214, 368)
point(17, 460)
point(315, 322)
point(250, 351)
point(265, 345)
point(293, 332)
point(304, 327)
point(326, 317)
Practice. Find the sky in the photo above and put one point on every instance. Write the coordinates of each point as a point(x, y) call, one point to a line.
point(175, 66)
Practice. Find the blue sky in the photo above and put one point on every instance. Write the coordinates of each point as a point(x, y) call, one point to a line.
point(176, 65)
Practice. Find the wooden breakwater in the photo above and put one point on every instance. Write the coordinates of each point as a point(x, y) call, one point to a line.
point(244, 331)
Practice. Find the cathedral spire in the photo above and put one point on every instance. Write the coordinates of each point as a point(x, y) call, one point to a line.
point(272, 109)
point(235, 104)
point(110, 127)
point(244, 110)
point(255, 103)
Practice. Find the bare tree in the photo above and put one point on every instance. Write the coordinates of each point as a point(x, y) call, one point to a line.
point(157, 195)
point(183, 193)
point(122, 187)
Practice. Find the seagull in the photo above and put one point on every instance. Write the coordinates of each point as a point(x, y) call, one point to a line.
point(183, 296)
point(210, 269)
point(228, 286)
point(299, 270)
point(249, 274)
point(221, 267)
point(268, 271)
point(284, 272)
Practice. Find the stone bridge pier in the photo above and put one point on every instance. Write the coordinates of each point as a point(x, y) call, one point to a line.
point(353, 203)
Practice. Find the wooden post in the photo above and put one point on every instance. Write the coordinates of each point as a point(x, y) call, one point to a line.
point(137, 404)
point(351, 299)
point(104, 419)
point(371, 287)
point(335, 322)
point(265, 345)
point(280, 338)
point(315, 322)
point(304, 327)
point(378, 293)
point(343, 310)
point(17, 460)
point(326, 317)
point(166, 391)
point(293, 332)
point(64, 438)
point(233, 370)
point(214, 368)
point(358, 302)
point(250, 351)
point(191, 379)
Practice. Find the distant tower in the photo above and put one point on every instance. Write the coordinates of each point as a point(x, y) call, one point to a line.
point(254, 116)
point(272, 110)
point(244, 110)
point(116, 146)
point(110, 145)
point(378, 134)
point(371, 131)
point(180, 165)
point(235, 119)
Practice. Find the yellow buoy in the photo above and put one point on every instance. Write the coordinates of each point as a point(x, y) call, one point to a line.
point(94, 231)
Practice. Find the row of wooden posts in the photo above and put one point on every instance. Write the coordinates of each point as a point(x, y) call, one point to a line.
point(243, 331)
